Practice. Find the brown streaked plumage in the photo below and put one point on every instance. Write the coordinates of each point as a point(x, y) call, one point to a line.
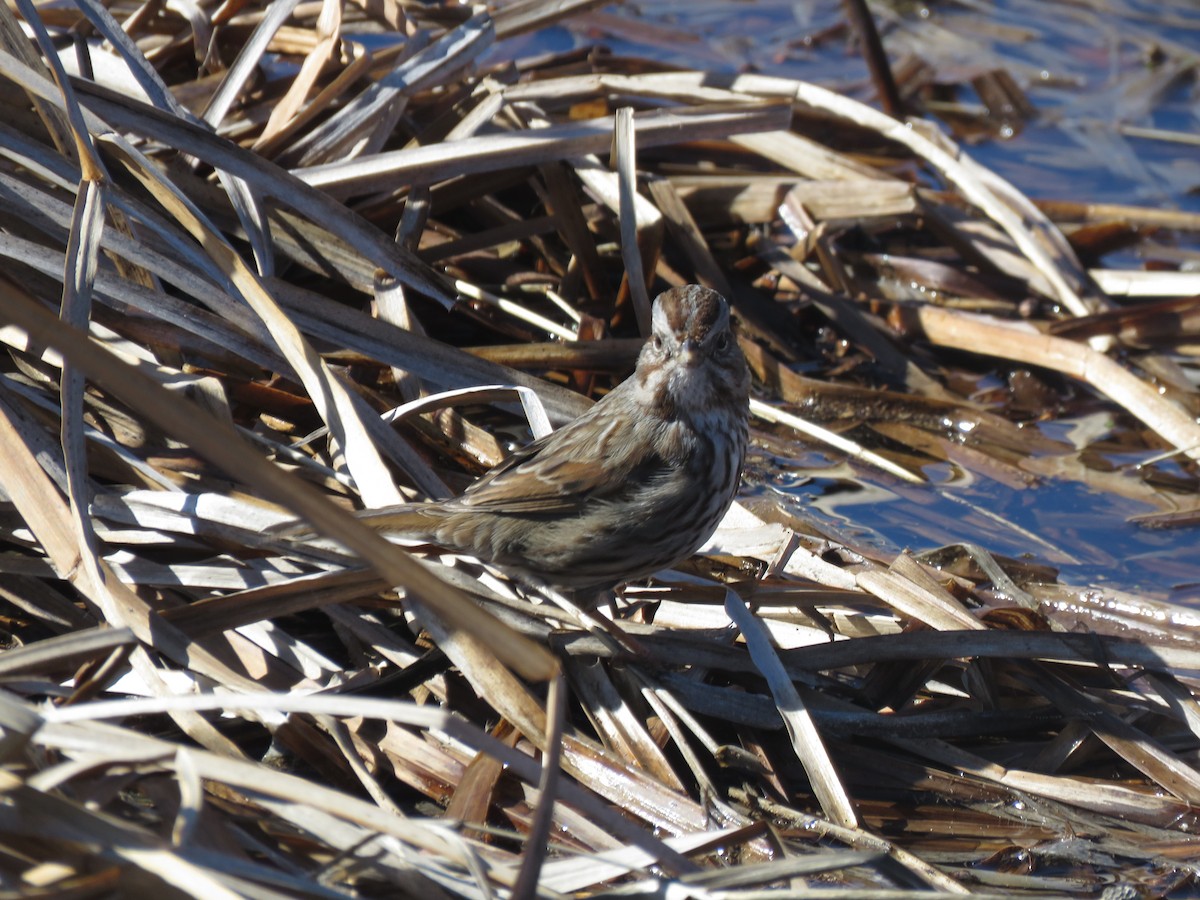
point(636, 484)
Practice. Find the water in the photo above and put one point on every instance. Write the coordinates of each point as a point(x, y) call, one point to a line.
point(1101, 76)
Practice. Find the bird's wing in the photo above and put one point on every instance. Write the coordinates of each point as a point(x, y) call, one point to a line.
point(560, 472)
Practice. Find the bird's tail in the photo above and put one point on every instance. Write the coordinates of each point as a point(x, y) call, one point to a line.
point(410, 520)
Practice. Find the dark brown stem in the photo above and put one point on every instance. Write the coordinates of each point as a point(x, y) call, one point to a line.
point(877, 61)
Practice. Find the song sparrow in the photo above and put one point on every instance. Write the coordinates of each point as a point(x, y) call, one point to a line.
point(636, 484)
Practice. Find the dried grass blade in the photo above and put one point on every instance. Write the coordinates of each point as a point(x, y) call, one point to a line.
point(343, 411)
point(1059, 268)
point(490, 153)
point(1013, 342)
point(260, 781)
point(635, 794)
point(82, 255)
point(35, 496)
point(680, 221)
point(1040, 241)
point(675, 718)
point(14, 41)
point(270, 180)
point(217, 441)
point(938, 610)
point(139, 67)
point(361, 127)
point(277, 12)
point(1088, 648)
point(852, 837)
point(1141, 751)
point(191, 799)
point(391, 304)
point(432, 361)
point(578, 873)
point(857, 451)
point(329, 24)
point(276, 134)
point(1179, 699)
point(83, 249)
point(565, 204)
point(18, 722)
point(617, 724)
point(537, 844)
point(516, 310)
point(806, 740)
point(55, 819)
point(1125, 283)
point(531, 404)
point(521, 16)
point(1103, 797)
point(857, 324)
point(747, 876)
point(65, 650)
point(63, 730)
point(250, 213)
point(625, 153)
point(187, 268)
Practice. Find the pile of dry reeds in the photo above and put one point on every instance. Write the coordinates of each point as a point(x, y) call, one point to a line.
point(248, 234)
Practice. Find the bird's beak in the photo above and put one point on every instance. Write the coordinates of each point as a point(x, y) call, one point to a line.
point(691, 352)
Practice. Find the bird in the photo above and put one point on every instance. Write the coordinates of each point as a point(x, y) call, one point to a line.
point(636, 484)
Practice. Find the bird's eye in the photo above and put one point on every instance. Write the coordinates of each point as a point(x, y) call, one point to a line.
point(657, 341)
point(722, 341)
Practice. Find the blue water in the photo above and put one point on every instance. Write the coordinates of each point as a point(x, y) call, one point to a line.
point(1090, 73)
